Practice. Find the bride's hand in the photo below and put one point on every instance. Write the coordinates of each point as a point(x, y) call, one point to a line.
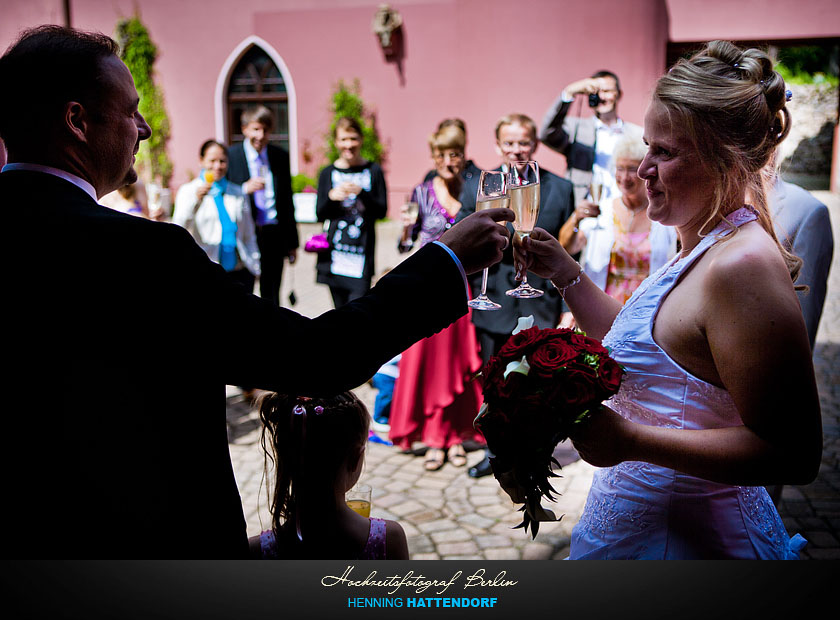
point(604, 438)
point(541, 254)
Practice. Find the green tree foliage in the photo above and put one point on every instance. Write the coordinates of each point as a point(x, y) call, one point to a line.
point(139, 53)
point(346, 101)
point(809, 64)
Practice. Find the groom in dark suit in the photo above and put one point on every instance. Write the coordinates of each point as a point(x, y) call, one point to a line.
point(262, 169)
point(516, 140)
point(121, 333)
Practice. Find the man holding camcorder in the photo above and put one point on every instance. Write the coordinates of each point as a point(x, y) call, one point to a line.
point(587, 143)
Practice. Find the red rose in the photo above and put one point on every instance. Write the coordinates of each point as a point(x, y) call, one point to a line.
point(550, 356)
point(519, 344)
point(512, 387)
point(609, 375)
point(580, 387)
point(589, 345)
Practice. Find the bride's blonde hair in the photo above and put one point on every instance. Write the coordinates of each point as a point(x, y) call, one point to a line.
point(731, 104)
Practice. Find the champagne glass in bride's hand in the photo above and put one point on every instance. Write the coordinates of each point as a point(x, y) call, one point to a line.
point(525, 203)
point(492, 193)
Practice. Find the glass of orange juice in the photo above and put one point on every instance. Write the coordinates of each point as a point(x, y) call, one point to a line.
point(358, 499)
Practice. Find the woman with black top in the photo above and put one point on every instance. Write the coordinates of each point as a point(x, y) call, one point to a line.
point(352, 196)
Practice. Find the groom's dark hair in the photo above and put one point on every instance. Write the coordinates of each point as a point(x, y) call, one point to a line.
point(44, 69)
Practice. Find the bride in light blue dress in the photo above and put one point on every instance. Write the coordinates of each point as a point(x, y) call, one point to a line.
point(719, 396)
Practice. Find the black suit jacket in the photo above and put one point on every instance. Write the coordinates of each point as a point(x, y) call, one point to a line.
point(118, 347)
point(556, 206)
point(278, 161)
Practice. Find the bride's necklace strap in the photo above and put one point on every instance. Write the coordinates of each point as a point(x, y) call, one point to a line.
point(724, 227)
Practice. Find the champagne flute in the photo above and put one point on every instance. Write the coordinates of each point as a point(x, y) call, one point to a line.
point(492, 193)
point(155, 199)
point(596, 190)
point(412, 209)
point(525, 203)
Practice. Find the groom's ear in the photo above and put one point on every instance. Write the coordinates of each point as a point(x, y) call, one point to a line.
point(75, 121)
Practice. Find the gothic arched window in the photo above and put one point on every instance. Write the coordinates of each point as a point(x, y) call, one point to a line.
point(256, 80)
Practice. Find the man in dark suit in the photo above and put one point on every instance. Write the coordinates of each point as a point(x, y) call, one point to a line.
point(116, 425)
point(516, 140)
point(262, 169)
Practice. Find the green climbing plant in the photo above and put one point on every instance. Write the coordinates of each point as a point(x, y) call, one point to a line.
point(347, 101)
point(139, 53)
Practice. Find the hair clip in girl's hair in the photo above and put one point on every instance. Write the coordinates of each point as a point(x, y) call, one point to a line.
point(788, 95)
point(319, 410)
point(299, 410)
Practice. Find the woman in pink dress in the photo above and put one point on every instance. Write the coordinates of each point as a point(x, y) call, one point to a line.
point(435, 397)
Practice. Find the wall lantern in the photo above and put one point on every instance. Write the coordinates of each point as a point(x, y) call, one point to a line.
point(386, 25)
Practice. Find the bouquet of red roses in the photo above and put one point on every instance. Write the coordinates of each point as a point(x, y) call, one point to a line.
point(541, 383)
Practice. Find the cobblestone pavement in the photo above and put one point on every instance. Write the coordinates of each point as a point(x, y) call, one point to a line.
point(448, 515)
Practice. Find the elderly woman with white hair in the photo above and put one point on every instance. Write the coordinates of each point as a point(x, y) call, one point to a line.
point(620, 246)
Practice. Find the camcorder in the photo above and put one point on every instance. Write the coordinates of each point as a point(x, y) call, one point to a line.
point(594, 100)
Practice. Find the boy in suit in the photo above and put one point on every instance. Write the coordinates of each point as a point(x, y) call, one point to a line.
point(262, 170)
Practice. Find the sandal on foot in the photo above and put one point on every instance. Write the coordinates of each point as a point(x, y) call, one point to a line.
point(434, 459)
point(457, 456)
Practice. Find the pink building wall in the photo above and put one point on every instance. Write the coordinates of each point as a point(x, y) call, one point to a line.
point(476, 59)
point(753, 20)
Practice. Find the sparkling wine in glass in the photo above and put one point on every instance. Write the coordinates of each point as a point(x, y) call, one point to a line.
point(412, 209)
point(525, 203)
point(596, 192)
point(492, 193)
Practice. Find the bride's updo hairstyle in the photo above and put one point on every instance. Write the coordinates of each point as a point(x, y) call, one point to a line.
point(731, 105)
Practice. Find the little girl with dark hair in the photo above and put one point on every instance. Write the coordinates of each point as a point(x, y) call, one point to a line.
point(317, 447)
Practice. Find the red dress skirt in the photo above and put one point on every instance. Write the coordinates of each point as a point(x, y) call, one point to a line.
point(436, 397)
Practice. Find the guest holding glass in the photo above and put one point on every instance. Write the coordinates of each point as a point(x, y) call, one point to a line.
point(619, 244)
point(435, 400)
point(216, 213)
point(718, 396)
point(352, 195)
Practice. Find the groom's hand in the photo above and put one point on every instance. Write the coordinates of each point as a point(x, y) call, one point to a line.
point(479, 239)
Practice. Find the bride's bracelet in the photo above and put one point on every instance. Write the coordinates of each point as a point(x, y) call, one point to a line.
point(569, 284)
